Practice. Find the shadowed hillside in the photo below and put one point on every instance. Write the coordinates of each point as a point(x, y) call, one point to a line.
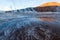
point(48, 9)
point(38, 9)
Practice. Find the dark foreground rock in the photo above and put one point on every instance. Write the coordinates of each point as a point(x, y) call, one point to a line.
point(29, 29)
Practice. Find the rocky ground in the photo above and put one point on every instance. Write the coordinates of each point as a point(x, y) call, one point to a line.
point(28, 28)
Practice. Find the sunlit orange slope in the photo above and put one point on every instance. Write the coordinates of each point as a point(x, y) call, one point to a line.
point(50, 4)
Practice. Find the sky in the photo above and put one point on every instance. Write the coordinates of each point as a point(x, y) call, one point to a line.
point(7, 5)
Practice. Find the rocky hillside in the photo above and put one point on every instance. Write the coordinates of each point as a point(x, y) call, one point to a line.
point(42, 9)
point(48, 9)
point(38, 9)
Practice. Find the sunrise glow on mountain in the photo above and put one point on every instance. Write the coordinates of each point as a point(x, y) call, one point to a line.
point(50, 4)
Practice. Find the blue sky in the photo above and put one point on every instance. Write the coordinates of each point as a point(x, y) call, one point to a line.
point(20, 4)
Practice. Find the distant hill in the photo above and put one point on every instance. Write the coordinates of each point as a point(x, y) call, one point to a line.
point(38, 9)
point(42, 9)
point(48, 9)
